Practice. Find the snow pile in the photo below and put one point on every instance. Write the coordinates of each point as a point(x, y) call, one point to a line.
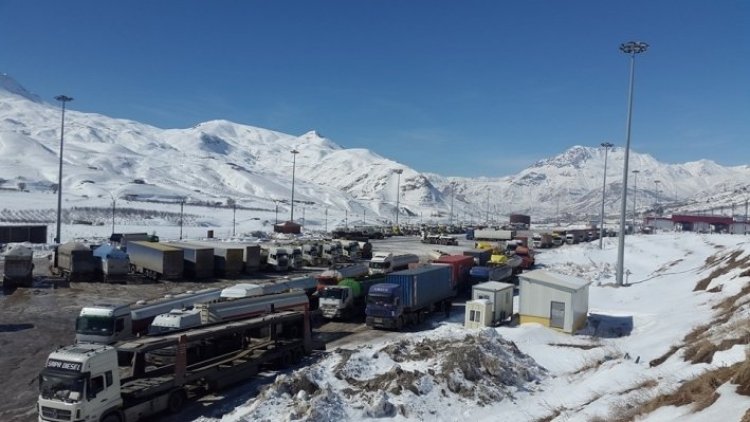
point(404, 379)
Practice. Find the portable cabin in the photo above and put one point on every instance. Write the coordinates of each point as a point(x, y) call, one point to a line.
point(554, 300)
point(499, 296)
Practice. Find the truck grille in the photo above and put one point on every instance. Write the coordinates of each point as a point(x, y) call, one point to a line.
point(55, 414)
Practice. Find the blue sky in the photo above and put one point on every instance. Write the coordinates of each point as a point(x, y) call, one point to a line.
point(459, 88)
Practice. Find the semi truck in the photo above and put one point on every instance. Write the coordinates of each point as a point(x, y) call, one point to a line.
point(108, 323)
point(111, 263)
point(228, 310)
point(481, 256)
point(346, 299)
point(274, 258)
point(75, 261)
point(494, 235)
point(527, 257)
point(86, 382)
point(386, 262)
point(480, 274)
point(250, 253)
point(336, 273)
point(198, 260)
point(155, 260)
point(460, 267)
point(541, 240)
point(228, 260)
point(407, 297)
point(19, 267)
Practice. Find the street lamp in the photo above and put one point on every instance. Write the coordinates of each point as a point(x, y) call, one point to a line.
point(398, 193)
point(656, 205)
point(632, 48)
point(635, 195)
point(63, 99)
point(114, 203)
point(606, 146)
point(453, 195)
point(294, 165)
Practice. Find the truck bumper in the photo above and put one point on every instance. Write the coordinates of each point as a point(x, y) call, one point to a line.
point(380, 322)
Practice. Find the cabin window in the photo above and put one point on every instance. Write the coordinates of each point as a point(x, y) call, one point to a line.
point(108, 376)
point(96, 386)
point(472, 314)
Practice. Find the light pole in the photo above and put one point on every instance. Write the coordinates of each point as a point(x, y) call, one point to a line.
point(234, 219)
point(398, 193)
point(63, 99)
point(114, 202)
point(182, 208)
point(632, 48)
point(276, 203)
point(606, 146)
point(453, 195)
point(656, 205)
point(326, 220)
point(294, 166)
point(635, 195)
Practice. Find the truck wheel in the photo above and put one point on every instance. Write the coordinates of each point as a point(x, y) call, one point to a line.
point(111, 417)
point(176, 401)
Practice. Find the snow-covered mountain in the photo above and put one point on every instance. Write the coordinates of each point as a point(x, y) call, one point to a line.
point(221, 161)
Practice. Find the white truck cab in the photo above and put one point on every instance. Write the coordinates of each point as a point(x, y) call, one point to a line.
point(104, 323)
point(79, 382)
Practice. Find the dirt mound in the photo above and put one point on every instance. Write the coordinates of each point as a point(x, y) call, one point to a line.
point(406, 378)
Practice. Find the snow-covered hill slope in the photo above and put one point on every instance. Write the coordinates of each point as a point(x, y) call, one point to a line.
point(221, 161)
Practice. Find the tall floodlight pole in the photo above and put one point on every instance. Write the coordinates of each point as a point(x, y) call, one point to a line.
point(346, 218)
point(656, 205)
point(635, 195)
point(606, 146)
point(453, 195)
point(63, 99)
point(114, 203)
point(182, 208)
point(398, 192)
point(326, 220)
point(276, 203)
point(234, 219)
point(294, 166)
point(632, 48)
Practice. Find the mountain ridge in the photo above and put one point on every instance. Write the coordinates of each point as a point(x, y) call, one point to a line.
point(218, 160)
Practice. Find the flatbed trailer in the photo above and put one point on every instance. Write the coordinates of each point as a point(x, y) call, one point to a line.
point(150, 387)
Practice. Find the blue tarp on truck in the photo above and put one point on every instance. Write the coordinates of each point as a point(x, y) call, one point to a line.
point(423, 286)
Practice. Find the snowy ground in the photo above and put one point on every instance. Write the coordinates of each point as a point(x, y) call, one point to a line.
point(528, 372)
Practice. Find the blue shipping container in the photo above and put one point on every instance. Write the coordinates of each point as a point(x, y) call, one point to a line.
point(423, 286)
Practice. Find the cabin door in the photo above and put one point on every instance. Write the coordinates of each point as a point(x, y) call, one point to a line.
point(557, 315)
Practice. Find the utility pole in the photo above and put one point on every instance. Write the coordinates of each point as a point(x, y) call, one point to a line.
point(326, 220)
point(346, 218)
point(398, 192)
point(635, 195)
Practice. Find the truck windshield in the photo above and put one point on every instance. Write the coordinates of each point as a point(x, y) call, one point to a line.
point(331, 293)
point(380, 300)
point(379, 265)
point(61, 386)
point(100, 325)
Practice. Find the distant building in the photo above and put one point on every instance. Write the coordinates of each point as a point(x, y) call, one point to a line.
point(702, 223)
point(554, 300)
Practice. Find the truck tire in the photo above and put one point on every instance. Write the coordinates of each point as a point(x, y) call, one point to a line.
point(111, 417)
point(176, 401)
